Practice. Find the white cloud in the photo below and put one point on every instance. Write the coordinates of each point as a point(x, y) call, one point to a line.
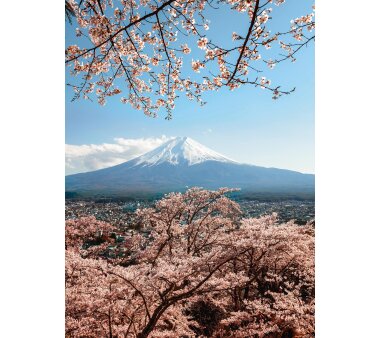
point(88, 157)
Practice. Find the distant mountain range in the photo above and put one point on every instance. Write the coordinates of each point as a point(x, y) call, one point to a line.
point(181, 163)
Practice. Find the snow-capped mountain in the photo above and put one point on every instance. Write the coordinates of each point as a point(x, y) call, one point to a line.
point(181, 163)
point(180, 150)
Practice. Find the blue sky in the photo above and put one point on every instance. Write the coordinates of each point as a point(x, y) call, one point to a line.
point(245, 124)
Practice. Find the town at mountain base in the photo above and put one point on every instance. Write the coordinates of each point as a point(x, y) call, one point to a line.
point(181, 163)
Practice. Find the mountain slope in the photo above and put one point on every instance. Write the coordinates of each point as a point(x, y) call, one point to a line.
point(183, 162)
point(181, 150)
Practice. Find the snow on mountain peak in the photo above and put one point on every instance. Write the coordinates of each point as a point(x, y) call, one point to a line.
point(180, 150)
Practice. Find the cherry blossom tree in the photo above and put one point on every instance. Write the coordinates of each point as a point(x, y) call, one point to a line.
point(139, 49)
point(197, 269)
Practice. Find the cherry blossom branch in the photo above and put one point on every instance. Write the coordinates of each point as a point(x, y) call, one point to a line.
point(134, 23)
point(257, 2)
point(150, 41)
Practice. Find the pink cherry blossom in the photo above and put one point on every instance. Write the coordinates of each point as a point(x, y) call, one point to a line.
point(195, 269)
point(142, 49)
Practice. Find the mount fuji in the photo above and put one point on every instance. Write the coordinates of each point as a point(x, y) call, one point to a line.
point(181, 163)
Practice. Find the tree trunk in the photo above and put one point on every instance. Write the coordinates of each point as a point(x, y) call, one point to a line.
point(153, 320)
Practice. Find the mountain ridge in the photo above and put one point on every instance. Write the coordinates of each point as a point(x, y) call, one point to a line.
point(181, 149)
point(182, 162)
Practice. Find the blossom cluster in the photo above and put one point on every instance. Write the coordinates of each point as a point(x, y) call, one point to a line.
point(138, 49)
point(198, 269)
